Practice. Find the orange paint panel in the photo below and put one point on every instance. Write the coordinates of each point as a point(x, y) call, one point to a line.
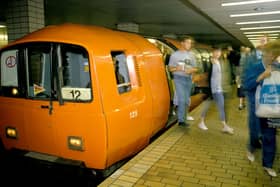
point(85, 122)
point(12, 115)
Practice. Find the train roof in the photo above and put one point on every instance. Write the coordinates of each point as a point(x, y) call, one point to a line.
point(97, 37)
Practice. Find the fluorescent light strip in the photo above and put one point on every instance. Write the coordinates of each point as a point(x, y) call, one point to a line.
point(247, 2)
point(261, 35)
point(255, 14)
point(256, 28)
point(262, 32)
point(257, 41)
point(257, 22)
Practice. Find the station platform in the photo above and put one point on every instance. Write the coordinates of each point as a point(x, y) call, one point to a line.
point(196, 158)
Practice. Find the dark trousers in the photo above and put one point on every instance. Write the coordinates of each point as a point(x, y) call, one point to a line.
point(268, 143)
point(253, 124)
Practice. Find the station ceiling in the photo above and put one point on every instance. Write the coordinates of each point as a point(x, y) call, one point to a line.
point(206, 20)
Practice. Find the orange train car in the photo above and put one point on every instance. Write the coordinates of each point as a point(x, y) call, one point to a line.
point(84, 94)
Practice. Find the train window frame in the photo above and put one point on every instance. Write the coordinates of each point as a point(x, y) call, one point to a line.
point(121, 70)
point(18, 90)
point(37, 91)
point(68, 93)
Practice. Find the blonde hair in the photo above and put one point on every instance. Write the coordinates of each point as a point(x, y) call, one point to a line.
point(272, 47)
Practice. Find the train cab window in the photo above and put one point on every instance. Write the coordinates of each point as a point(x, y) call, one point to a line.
point(121, 71)
point(76, 84)
point(39, 71)
point(9, 73)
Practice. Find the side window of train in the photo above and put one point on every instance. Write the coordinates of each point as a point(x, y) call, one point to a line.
point(76, 82)
point(121, 71)
point(9, 73)
point(38, 68)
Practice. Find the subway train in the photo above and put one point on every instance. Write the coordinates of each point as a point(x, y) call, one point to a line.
point(82, 95)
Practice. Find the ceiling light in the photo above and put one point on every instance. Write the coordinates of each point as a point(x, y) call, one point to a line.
point(260, 35)
point(258, 38)
point(255, 14)
point(2, 26)
point(255, 28)
point(256, 22)
point(262, 32)
point(247, 2)
point(257, 41)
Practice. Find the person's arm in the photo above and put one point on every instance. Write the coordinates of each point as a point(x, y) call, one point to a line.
point(191, 70)
point(194, 67)
point(172, 66)
point(265, 74)
point(251, 75)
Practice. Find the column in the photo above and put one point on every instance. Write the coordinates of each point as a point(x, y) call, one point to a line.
point(23, 17)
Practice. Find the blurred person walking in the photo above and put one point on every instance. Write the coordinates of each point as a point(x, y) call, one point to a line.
point(182, 64)
point(270, 57)
point(233, 57)
point(244, 52)
point(252, 69)
point(216, 92)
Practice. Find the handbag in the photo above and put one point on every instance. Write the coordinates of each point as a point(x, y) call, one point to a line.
point(268, 97)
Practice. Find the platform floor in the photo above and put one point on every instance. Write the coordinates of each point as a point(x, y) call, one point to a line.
point(195, 158)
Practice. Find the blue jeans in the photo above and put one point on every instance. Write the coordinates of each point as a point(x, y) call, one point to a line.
point(253, 123)
point(183, 86)
point(268, 142)
point(219, 100)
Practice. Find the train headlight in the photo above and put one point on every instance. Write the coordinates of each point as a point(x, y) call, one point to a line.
point(75, 143)
point(11, 133)
point(15, 91)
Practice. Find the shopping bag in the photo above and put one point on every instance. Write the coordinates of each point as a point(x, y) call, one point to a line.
point(268, 97)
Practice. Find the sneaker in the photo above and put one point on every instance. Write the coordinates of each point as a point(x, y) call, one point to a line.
point(202, 126)
point(250, 156)
point(190, 118)
point(270, 171)
point(227, 129)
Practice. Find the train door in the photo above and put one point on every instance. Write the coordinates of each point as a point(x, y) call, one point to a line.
point(125, 107)
point(38, 123)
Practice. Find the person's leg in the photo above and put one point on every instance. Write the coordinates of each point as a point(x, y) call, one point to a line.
point(175, 103)
point(188, 90)
point(269, 146)
point(205, 108)
point(269, 143)
point(219, 99)
point(241, 97)
point(253, 125)
point(181, 100)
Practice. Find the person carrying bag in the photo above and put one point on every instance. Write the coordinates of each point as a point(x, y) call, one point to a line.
point(268, 104)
